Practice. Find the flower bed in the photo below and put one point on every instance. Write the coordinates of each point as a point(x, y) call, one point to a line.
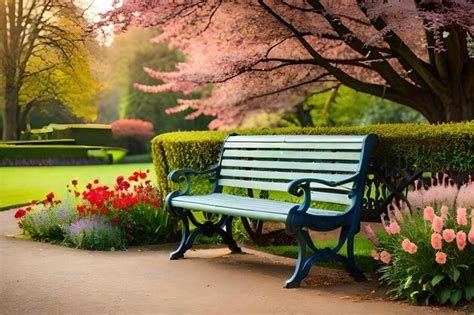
point(101, 217)
point(427, 254)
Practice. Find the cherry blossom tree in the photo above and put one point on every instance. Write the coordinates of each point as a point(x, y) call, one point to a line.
point(270, 55)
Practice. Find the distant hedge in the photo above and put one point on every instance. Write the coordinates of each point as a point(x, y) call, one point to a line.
point(437, 148)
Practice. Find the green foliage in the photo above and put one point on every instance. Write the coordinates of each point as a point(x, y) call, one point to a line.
point(95, 234)
point(152, 225)
point(84, 134)
point(49, 223)
point(50, 112)
point(151, 107)
point(437, 148)
point(417, 277)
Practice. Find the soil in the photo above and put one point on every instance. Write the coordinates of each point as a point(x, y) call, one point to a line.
point(41, 278)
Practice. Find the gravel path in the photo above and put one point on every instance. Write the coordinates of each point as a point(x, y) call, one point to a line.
point(41, 278)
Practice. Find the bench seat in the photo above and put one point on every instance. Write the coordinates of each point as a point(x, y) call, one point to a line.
point(239, 206)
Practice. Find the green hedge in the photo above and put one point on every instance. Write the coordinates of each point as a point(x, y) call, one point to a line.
point(437, 148)
point(30, 151)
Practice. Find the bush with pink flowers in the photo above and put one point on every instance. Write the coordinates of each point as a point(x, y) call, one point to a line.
point(427, 254)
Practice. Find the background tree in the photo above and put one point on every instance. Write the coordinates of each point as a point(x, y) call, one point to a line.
point(41, 48)
point(269, 55)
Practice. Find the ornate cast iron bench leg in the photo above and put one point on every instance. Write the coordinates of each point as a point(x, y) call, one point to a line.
point(207, 228)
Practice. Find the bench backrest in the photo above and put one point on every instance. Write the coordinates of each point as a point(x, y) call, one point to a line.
point(271, 162)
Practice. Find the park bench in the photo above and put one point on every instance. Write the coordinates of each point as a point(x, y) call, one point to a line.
point(321, 170)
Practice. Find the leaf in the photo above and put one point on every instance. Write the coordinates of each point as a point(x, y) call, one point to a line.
point(463, 266)
point(437, 279)
point(456, 296)
point(456, 275)
point(408, 282)
point(445, 295)
point(469, 292)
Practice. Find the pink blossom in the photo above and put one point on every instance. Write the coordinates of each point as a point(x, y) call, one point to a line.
point(437, 224)
point(409, 247)
point(394, 228)
point(371, 235)
point(441, 258)
point(444, 211)
point(470, 236)
point(465, 197)
point(449, 235)
point(436, 241)
point(385, 257)
point(461, 216)
point(375, 255)
point(429, 214)
point(385, 226)
point(461, 240)
point(398, 215)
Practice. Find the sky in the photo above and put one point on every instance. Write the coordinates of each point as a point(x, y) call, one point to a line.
point(95, 8)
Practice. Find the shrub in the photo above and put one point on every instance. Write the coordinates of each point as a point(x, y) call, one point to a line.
point(133, 128)
point(47, 222)
point(437, 148)
point(95, 233)
point(428, 254)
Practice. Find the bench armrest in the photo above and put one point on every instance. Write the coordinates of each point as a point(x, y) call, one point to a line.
point(184, 174)
point(298, 187)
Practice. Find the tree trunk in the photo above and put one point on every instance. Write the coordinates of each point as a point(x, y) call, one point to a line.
point(10, 114)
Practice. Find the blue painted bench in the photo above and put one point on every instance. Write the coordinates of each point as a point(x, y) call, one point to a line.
point(321, 169)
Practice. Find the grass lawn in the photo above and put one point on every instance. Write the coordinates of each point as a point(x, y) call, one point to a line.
point(362, 248)
point(21, 184)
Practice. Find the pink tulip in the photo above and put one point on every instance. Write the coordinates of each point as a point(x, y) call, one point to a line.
point(374, 254)
point(371, 235)
point(449, 235)
point(461, 216)
point(444, 211)
point(436, 241)
point(413, 248)
point(437, 224)
point(429, 214)
point(441, 258)
point(385, 257)
point(461, 240)
point(382, 218)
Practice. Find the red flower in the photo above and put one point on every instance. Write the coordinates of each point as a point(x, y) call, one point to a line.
point(117, 219)
point(129, 235)
point(19, 213)
point(128, 224)
point(148, 171)
point(156, 204)
point(50, 196)
point(33, 202)
point(74, 182)
point(77, 194)
point(89, 186)
point(119, 180)
point(93, 211)
point(142, 175)
point(96, 181)
point(104, 211)
point(57, 202)
point(28, 208)
point(81, 209)
point(133, 178)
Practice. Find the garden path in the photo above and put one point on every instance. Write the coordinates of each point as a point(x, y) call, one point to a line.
point(42, 278)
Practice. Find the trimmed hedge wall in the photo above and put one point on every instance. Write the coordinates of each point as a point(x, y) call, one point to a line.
point(437, 148)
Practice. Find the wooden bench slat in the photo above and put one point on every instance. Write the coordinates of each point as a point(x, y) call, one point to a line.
point(288, 155)
point(338, 198)
point(290, 138)
point(243, 206)
point(296, 145)
point(283, 175)
point(311, 166)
